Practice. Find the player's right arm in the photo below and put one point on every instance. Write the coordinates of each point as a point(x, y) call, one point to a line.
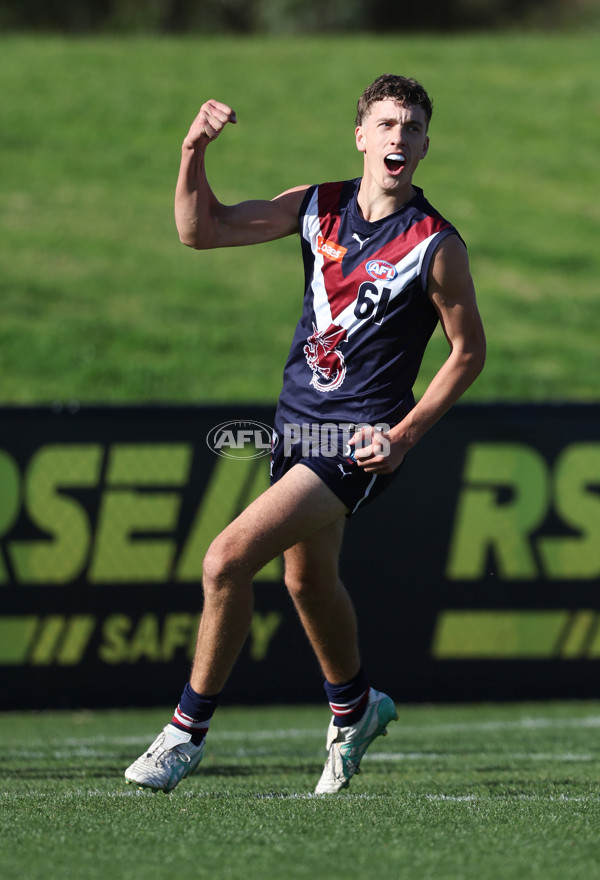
point(202, 221)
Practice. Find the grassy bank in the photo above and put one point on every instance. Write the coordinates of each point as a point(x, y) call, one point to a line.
point(100, 302)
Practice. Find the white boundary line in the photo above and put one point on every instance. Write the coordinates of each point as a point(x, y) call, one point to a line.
point(401, 797)
point(591, 722)
point(574, 757)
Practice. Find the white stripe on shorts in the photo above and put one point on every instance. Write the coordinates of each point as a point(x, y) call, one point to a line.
point(366, 495)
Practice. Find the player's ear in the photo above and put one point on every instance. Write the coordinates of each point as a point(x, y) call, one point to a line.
point(425, 148)
point(360, 138)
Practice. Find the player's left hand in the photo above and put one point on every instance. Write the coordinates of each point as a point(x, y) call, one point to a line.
point(374, 451)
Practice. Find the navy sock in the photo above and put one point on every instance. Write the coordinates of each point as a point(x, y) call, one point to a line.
point(348, 701)
point(194, 712)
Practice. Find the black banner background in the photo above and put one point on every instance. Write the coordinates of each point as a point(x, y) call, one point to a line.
point(474, 577)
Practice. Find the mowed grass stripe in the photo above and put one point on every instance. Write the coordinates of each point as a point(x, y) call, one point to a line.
point(216, 735)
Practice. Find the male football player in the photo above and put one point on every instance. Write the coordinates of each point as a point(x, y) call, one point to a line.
point(382, 267)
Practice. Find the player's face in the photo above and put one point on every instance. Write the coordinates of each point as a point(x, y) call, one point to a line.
point(393, 138)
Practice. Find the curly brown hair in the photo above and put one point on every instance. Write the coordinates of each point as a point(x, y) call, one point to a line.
point(398, 88)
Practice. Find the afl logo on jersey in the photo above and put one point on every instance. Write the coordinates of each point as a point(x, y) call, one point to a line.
point(381, 270)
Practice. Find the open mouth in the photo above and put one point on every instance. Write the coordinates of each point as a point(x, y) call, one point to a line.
point(395, 162)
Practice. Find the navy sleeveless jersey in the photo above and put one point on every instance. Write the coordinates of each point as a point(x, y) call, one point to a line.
point(367, 318)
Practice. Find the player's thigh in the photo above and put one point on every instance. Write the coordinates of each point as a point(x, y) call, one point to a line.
point(296, 507)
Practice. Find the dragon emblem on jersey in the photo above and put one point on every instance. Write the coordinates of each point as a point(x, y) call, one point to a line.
point(324, 358)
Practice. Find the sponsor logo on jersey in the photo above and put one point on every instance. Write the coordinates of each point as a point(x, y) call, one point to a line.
point(330, 249)
point(324, 357)
point(361, 241)
point(381, 270)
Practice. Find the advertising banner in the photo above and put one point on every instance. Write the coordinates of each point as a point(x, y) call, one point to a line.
point(475, 576)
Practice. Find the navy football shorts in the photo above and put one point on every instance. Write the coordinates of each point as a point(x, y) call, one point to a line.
point(324, 449)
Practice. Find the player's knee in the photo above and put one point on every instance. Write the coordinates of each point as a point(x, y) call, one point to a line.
point(221, 566)
point(303, 586)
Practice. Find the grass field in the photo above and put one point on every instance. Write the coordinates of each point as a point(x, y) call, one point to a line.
point(100, 302)
point(453, 793)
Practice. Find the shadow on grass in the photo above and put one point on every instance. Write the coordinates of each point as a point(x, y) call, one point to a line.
point(86, 772)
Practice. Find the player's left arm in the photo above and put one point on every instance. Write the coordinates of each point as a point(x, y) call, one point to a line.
point(451, 290)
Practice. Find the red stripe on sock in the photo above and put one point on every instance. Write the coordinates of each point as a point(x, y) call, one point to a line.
point(342, 709)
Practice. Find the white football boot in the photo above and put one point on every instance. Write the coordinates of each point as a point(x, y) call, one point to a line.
point(171, 757)
point(347, 745)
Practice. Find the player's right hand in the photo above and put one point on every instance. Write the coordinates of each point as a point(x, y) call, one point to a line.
point(209, 123)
